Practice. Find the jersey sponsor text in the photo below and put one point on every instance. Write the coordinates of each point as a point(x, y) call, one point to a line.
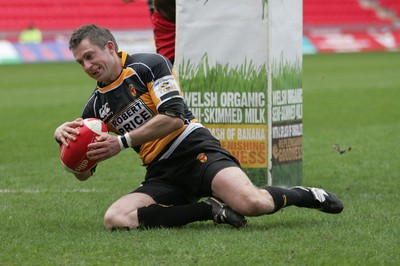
point(135, 115)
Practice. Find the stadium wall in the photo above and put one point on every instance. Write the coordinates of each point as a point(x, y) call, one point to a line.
point(337, 40)
point(318, 41)
point(12, 52)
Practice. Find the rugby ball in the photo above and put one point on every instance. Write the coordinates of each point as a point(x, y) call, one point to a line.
point(73, 156)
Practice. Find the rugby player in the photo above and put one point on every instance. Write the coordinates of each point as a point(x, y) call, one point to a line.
point(139, 99)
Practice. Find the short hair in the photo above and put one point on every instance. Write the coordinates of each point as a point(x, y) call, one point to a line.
point(96, 35)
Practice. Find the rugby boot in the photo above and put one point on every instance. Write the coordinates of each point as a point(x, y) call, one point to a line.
point(326, 201)
point(222, 214)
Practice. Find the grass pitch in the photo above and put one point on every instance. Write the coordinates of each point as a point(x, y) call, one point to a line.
point(49, 218)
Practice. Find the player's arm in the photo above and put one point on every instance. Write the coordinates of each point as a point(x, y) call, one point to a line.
point(158, 127)
point(107, 146)
point(84, 175)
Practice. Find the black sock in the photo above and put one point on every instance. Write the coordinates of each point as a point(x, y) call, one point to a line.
point(287, 197)
point(156, 215)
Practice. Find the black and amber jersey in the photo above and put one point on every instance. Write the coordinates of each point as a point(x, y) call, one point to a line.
point(147, 86)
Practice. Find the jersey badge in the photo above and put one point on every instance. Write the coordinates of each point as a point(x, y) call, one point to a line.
point(132, 89)
point(202, 157)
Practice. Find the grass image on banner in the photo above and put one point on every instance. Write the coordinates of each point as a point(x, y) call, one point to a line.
point(286, 75)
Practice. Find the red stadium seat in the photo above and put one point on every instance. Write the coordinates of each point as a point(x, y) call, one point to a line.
point(68, 14)
point(339, 12)
point(393, 5)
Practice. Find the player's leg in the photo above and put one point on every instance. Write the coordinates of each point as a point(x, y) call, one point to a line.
point(123, 212)
point(234, 187)
point(156, 215)
point(156, 204)
point(308, 197)
point(174, 207)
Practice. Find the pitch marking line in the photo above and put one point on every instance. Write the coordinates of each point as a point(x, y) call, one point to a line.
point(32, 191)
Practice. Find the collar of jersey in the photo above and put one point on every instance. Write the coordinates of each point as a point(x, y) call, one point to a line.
point(125, 73)
point(123, 55)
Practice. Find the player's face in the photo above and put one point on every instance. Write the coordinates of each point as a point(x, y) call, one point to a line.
point(100, 64)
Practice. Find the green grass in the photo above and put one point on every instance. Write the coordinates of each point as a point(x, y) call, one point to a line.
point(49, 218)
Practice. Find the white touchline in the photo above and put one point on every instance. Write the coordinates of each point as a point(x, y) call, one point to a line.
point(81, 190)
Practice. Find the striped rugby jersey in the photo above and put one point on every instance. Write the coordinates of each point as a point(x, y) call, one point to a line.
point(146, 86)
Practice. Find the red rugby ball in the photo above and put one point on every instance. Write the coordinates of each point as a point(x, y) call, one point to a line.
point(73, 156)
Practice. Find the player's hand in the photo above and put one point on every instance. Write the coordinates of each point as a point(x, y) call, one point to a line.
point(104, 147)
point(67, 131)
point(84, 175)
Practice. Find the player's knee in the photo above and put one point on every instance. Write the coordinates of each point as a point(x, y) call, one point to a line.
point(116, 218)
point(109, 219)
point(254, 205)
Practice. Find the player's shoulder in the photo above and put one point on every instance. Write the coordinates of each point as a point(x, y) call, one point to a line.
point(149, 60)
